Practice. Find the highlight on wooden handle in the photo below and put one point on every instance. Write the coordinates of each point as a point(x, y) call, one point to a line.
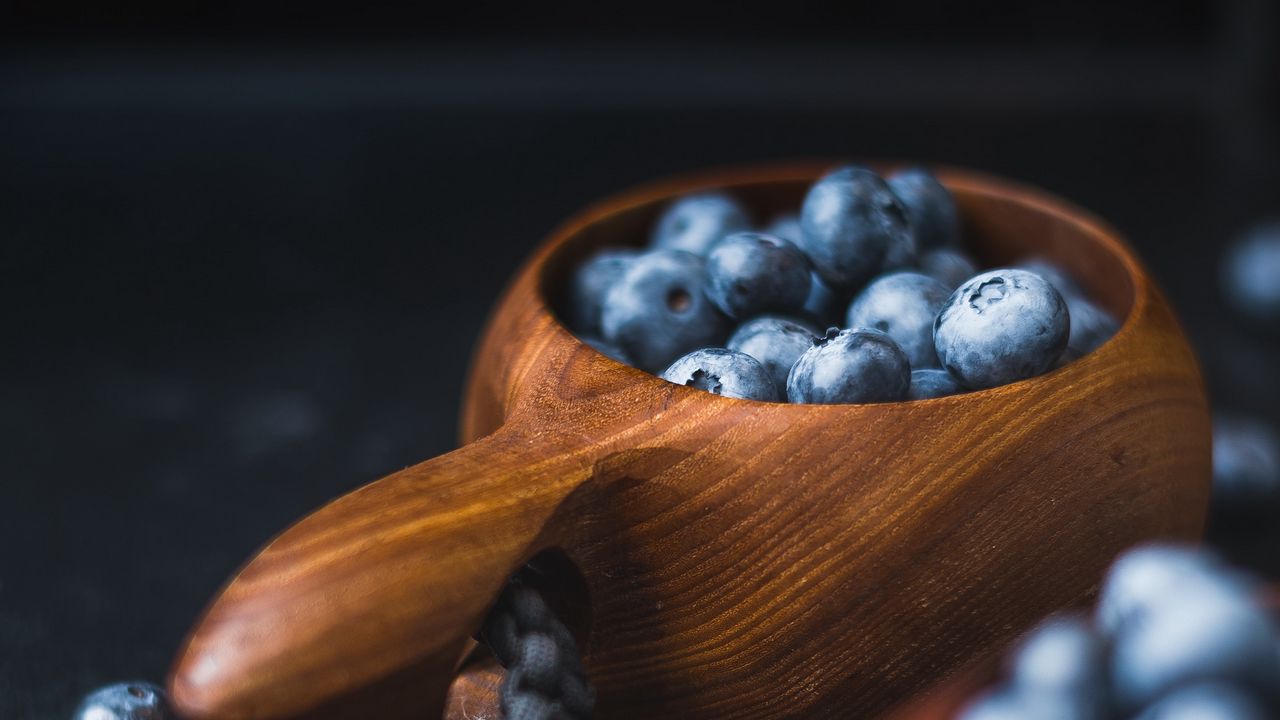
point(364, 608)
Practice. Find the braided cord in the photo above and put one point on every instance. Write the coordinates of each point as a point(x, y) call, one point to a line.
point(545, 679)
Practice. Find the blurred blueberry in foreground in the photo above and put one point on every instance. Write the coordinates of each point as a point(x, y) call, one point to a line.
point(695, 222)
point(750, 273)
point(1179, 636)
point(786, 226)
point(848, 222)
point(776, 342)
point(125, 701)
point(947, 266)
point(1062, 654)
point(724, 372)
point(1246, 468)
point(929, 383)
point(1206, 631)
point(1143, 577)
point(590, 282)
point(1251, 272)
point(659, 310)
point(1206, 702)
point(1000, 327)
point(1061, 664)
point(903, 305)
point(930, 207)
point(850, 366)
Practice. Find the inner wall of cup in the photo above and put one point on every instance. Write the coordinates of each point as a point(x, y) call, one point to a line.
point(998, 230)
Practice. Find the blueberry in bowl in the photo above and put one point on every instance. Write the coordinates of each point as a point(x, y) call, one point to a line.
point(850, 366)
point(776, 342)
point(751, 273)
point(658, 308)
point(850, 257)
point(1000, 327)
point(695, 222)
point(850, 223)
point(724, 372)
point(903, 305)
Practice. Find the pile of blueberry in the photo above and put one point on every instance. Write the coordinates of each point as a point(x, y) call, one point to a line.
point(1249, 271)
point(715, 304)
point(1176, 635)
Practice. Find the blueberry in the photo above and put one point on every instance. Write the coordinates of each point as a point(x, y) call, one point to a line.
point(1200, 631)
point(750, 273)
point(903, 305)
point(1063, 657)
point(776, 342)
point(591, 281)
point(1059, 278)
point(1249, 272)
point(824, 304)
point(786, 226)
point(1091, 326)
point(125, 701)
point(1206, 701)
point(850, 366)
point(901, 253)
point(947, 266)
point(724, 372)
point(695, 222)
point(1001, 326)
point(606, 348)
point(1141, 578)
point(848, 222)
point(1246, 468)
point(659, 310)
point(930, 207)
point(929, 383)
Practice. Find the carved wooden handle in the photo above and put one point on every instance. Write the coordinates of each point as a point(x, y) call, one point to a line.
point(364, 608)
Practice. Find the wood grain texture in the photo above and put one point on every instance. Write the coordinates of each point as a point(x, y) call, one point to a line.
point(741, 559)
point(474, 692)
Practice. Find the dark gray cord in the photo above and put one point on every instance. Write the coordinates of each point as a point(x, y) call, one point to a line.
point(545, 679)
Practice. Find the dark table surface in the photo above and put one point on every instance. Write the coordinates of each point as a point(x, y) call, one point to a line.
point(238, 285)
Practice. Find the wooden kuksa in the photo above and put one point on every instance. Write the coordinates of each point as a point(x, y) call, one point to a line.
point(738, 559)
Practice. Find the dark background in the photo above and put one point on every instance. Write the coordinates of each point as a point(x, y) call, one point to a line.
point(246, 250)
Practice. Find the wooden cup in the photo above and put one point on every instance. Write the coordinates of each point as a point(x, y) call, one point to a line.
point(731, 558)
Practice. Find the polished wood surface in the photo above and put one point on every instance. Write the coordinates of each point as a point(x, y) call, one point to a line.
point(739, 559)
point(474, 692)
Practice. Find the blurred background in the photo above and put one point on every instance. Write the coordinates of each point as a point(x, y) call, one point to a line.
point(246, 250)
